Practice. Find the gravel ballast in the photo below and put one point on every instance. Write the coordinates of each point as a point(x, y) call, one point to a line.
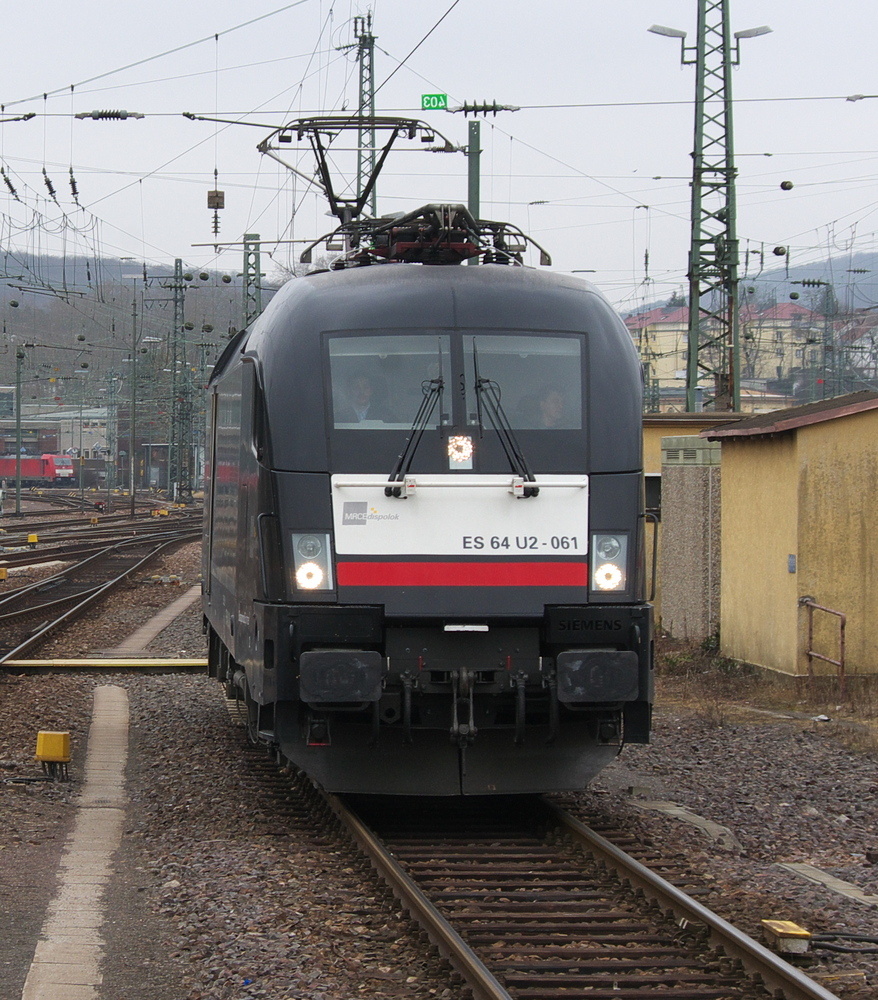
point(226, 889)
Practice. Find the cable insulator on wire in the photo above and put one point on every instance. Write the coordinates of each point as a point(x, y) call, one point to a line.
point(74, 190)
point(50, 186)
point(9, 184)
point(216, 200)
point(484, 108)
point(110, 115)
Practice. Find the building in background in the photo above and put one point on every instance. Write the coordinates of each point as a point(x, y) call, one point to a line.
point(790, 354)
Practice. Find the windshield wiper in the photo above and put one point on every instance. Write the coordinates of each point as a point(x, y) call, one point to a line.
point(488, 391)
point(432, 389)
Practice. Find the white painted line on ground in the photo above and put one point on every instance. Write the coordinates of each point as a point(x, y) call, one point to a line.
point(720, 835)
point(838, 885)
point(66, 963)
point(137, 641)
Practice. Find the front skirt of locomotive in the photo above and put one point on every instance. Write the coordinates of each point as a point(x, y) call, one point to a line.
point(414, 709)
point(430, 764)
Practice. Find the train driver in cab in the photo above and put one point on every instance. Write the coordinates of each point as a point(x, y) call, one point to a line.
point(364, 401)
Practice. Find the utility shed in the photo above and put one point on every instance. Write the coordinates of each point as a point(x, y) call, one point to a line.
point(798, 496)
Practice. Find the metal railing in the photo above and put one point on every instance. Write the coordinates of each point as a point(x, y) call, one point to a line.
point(812, 606)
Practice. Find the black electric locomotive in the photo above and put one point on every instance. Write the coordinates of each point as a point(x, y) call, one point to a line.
point(424, 528)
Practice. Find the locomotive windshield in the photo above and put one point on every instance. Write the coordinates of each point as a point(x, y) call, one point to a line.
point(377, 381)
point(507, 401)
point(539, 378)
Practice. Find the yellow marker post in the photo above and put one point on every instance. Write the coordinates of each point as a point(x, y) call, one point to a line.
point(53, 752)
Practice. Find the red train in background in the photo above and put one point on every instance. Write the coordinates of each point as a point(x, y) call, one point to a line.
point(38, 470)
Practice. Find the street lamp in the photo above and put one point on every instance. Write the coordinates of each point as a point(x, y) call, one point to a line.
point(660, 29)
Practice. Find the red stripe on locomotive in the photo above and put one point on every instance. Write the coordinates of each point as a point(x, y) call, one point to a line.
point(462, 574)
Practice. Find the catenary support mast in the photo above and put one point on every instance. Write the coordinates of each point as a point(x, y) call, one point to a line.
point(713, 353)
point(713, 349)
point(252, 291)
point(366, 134)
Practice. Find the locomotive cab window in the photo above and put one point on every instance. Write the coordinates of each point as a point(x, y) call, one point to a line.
point(379, 382)
point(537, 379)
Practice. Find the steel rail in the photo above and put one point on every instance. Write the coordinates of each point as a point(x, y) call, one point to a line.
point(479, 978)
point(778, 977)
point(59, 553)
point(57, 531)
point(775, 973)
point(8, 616)
point(93, 596)
point(170, 535)
point(54, 548)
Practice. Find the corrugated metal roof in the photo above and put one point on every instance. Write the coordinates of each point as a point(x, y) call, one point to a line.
point(779, 421)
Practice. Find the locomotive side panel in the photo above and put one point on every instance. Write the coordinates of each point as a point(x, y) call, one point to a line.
point(222, 508)
point(253, 507)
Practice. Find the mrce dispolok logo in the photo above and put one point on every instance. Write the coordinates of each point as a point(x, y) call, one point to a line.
point(360, 513)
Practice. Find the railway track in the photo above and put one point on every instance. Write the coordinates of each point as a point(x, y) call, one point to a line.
point(527, 903)
point(29, 614)
point(15, 531)
point(56, 545)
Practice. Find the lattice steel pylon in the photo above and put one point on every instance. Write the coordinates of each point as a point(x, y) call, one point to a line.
point(713, 349)
point(180, 437)
point(366, 108)
point(713, 346)
point(252, 290)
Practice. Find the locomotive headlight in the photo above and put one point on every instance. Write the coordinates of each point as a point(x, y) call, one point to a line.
point(609, 556)
point(308, 546)
point(313, 562)
point(608, 576)
point(460, 451)
point(607, 547)
point(309, 576)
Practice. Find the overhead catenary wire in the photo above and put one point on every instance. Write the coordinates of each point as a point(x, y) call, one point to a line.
point(405, 60)
point(159, 55)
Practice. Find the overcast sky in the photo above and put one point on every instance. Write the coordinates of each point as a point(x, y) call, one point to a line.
point(603, 137)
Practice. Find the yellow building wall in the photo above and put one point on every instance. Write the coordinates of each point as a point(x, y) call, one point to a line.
point(759, 612)
point(838, 553)
point(809, 493)
point(652, 446)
